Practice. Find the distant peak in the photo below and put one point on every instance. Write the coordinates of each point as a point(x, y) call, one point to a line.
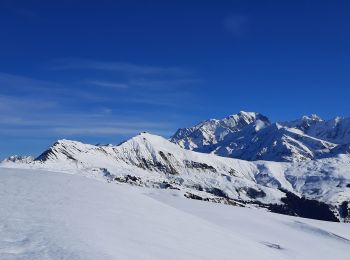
point(277, 126)
point(65, 142)
point(146, 136)
point(245, 113)
point(312, 117)
point(338, 119)
point(250, 116)
point(59, 141)
point(19, 158)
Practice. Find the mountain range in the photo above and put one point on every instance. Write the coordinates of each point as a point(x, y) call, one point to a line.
point(252, 136)
point(303, 167)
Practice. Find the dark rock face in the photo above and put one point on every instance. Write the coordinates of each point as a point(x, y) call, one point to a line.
point(293, 205)
point(170, 168)
point(197, 187)
point(302, 207)
point(198, 165)
point(45, 155)
point(156, 165)
point(129, 179)
point(166, 185)
point(137, 181)
point(344, 210)
point(192, 196)
point(253, 193)
point(226, 201)
point(232, 172)
point(217, 192)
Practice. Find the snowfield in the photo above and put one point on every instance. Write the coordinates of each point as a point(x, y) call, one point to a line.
point(48, 215)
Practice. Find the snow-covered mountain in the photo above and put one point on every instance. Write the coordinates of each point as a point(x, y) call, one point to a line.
point(316, 189)
point(336, 130)
point(206, 135)
point(251, 136)
point(18, 159)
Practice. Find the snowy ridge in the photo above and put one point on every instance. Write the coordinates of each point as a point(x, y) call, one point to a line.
point(316, 189)
point(336, 130)
point(214, 131)
point(18, 159)
point(251, 136)
point(156, 160)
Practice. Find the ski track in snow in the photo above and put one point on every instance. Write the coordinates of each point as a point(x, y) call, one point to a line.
point(47, 215)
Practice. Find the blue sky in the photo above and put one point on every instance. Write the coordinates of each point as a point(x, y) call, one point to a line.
point(102, 71)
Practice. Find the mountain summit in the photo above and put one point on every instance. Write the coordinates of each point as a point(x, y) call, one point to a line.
point(252, 136)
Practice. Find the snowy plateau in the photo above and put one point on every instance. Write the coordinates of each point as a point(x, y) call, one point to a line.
point(211, 191)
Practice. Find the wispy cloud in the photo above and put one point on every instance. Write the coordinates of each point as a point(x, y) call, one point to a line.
point(118, 128)
point(128, 68)
point(29, 116)
point(237, 24)
point(135, 83)
point(107, 84)
point(11, 82)
point(165, 83)
point(169, 99)
point(94, 105)
point(80, 124)
point(42, 91)
point(9, 104)
point(136, 90)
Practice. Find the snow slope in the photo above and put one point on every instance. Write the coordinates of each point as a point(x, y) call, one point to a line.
point(251, 136)
point(336, 130)
point(152, 161)
point(46, 215)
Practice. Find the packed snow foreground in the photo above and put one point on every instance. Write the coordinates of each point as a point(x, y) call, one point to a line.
point(49, 215)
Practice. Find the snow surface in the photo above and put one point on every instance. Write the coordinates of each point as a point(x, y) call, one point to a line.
point(47, 215)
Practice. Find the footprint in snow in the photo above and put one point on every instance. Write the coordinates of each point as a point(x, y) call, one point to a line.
point(272, 245)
